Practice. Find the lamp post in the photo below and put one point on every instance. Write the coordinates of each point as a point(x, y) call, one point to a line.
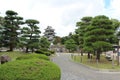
point(118, 50)
point(115, 50)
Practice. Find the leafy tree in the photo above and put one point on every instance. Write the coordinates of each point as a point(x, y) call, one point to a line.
point(30, 35)
point(57, 40)
point(116, 24)
point(96, 34)
point(70, 45)
point(64, 39)
point(11, 27)
point(44, 43)
point(82, 29)
point(101, 34)
point(1, 30)
point(88, 40)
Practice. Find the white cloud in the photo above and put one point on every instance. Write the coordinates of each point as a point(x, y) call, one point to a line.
point(115, 9)
point(62, 15)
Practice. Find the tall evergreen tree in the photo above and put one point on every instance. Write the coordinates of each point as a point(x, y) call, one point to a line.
point(11, 27)
point(70, 44)
point(44, 43)
point(101, 34)
point(31, 35)
point(1, 30)
point(63, 39)
point(82, 25)
point(116, 24)
point(96, 34)
point(57, 40)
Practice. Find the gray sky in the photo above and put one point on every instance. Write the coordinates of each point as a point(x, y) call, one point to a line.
point(62, 15)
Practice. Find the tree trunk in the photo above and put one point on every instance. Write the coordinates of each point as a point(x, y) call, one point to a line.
point(88, 55)
point(81, 53)
point(98, 55)
point(32, 50)
point(26, 49)
point(11, 47)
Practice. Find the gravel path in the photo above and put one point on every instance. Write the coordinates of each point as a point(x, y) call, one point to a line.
point(75, 71)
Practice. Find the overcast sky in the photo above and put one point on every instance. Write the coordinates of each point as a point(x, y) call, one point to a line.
point(62, 15)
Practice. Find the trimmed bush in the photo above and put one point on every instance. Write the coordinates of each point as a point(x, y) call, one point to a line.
point(52, 52)
point(29, 69)
point(45, 51)
point(33, 56)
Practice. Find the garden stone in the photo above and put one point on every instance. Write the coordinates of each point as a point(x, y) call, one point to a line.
point(4, 59)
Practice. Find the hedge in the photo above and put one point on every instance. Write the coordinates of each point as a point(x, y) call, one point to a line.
point(29, 69)
point(32, 56)
point(45, 52)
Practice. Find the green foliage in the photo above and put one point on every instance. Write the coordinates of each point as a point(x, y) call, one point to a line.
point(88, 49)
point(11, 25)
point(103, 29)
point(32, 22)
point(115, 23)
point(33, 56)
point(12, 35)
point(102, 46)
point(44, 43)
point(82, 28)
point(45, 51)
point(29, 69)
point(1, 30)
point(30, 35)
point(64, 39)
point(57, 40)
point(71, 45)
point(96, 34)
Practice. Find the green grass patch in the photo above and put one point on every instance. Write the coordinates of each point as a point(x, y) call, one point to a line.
point(103, 64)
point(33, 56)
point(29, 69)
point(13, 55)
point(20, 55)
point(45, 52)
point(28, 66)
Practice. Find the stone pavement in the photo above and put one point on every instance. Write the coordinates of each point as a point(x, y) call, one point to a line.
point(75, 71)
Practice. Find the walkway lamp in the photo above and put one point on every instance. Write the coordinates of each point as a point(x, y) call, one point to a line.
point(118, 49)
point(115, 50)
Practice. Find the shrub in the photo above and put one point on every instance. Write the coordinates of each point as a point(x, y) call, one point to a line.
point(29, 69)
point(52, 52)
point(32, 56)
point(45, 51)
point(39, 51)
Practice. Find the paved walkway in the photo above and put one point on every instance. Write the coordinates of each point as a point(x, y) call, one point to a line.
point(75, 71)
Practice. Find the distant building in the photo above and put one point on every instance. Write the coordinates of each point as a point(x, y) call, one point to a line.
point(49, 33)
point(59, 48)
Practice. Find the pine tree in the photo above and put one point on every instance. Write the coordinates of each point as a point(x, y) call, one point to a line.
point(82, 29)
point(30, 35)
point(11, 28)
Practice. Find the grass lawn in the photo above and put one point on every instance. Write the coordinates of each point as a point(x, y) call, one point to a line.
point(17, 54)
point(103, 64)
point(29, 66)
point(13, 55)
